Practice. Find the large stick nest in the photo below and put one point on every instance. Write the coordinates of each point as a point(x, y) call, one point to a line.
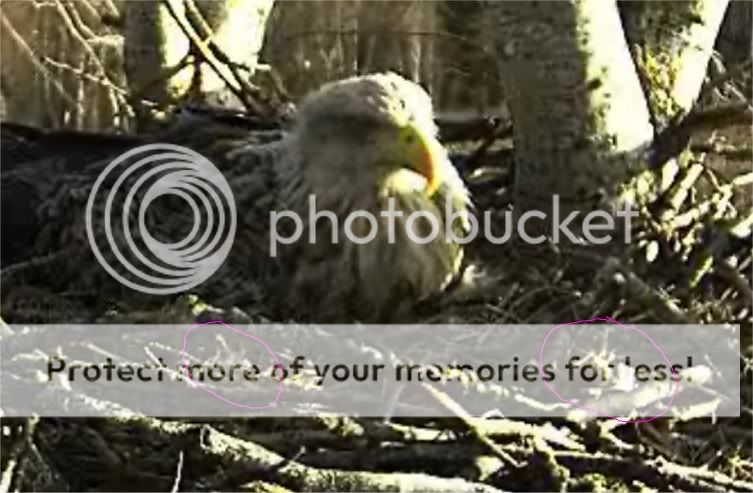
point(698, 229)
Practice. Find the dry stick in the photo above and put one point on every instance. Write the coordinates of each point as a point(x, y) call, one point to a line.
point(210, 59)
point(221, 56)
point(461, 413)
point(358, 440)
point(243, 461)
point(719, 116)
point(399, 456)
point(474, 159)
point(659, 472)
point(675, 138)
point(103, 81)
point(738, 282)
point(743, 180)
point(720, 200)
point(92, 11)
point(16, 454)
point(207, 34)
point(75, 27)
point(679, 190)
point(178, 473)
point(80, 27)
point(26, 49)
point(743, 227)
point(34, 263)
point(714, 210)
point(739, 70)
point(217, 50)
point(166, 73)
point(728, 151)
point(508, 428)
point(636, 288)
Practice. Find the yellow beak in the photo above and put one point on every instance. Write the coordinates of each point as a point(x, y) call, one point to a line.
point(423, 154)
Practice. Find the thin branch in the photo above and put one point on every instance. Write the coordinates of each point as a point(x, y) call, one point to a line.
point(102, 81)
point(211, 60)
point(727, 151)
point(26, 49)
point(461, 413)
point(75, 28)
point(676, 138)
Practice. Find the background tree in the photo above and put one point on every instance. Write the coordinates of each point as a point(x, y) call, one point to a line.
point(584, 110)
point(172, 48)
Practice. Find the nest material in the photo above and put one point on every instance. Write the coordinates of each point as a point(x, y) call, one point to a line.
point(698, 230)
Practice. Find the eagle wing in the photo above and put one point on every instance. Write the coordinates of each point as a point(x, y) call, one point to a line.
point(47, 181)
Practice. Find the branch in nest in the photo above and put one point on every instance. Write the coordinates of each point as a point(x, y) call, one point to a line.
point(727, 151)
point(461, 413)
point(676, 138)
point(243, 461)
point(658, 473)
point(635, 288)
point(725, 271)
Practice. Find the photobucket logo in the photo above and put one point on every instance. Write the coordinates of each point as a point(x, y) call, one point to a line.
point(595, 227)
point(134, 180)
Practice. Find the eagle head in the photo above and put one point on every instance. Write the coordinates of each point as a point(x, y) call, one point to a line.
point(362, 146)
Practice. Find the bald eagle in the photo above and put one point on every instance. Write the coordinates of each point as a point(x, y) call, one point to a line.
point(357, 144)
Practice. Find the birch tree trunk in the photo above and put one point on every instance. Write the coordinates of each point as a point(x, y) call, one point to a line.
point(671, 44)
point(578, 110)
point(582, 122)
point(158, 58)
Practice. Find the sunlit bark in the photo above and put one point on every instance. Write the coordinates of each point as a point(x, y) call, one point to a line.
point(672, 42)
point(156, 46)
point(579, 113)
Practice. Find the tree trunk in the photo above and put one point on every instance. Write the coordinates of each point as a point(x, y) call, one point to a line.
point(156, 46)
point(579, 113)
point(671, 44)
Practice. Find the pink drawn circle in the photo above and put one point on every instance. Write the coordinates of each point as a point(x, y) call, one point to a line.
point(277, 364)
point(593, 411)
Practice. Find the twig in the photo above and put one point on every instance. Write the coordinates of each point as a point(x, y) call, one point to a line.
point(104, 81)
point(474, 160)
point(242, 461)
point(729, 274)
point(637, 289)
point(735, 72)
point(26, 49)
point(675, 138)
point(76, 28)
point(243, 92)
point(658, 472)
point(719, 201)
point(461, 413)
point(679, 190)
point(728, 151)
point(16, 454)
point(178, 473)
point(34, 263)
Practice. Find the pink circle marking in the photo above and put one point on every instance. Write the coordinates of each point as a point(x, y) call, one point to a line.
point(201, 387)
point(593, 411)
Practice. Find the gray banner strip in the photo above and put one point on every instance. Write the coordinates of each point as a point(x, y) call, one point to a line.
point(579, 369)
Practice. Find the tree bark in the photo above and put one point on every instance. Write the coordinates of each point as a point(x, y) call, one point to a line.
point(156, 46)
point(672, 42)
point(579, 113)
